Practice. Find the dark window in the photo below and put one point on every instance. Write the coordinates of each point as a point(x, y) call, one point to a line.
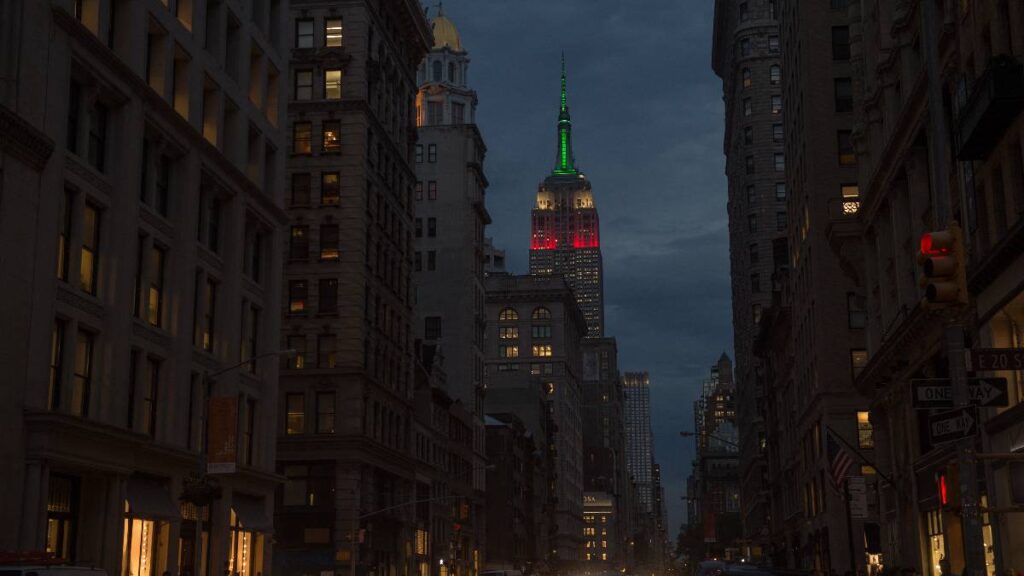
point(325, 412)
point(748, 135)
point(209, 317)
point(780, 162)
point(775, 74)
point(298, 292)
point(150, 388)
point(328, 290)
point(780, 221)
point(326, 345)
point(431, 261)
point(419, 190)
point(98, 136)
point(432, 327)
point(62, 516)
point(755, 283)
point(436, 69)
point(303, 84)
point(744, 12)
point(751, 194)
point(432, 153)
point(840, 4)
point(749, 164)
point(432, 190)
point(332, 136)
point(773, 44)
point(56, 364)
point(329, 242)
point(162, 186)
point(419, 227)
point(418, 261)
point(330, 189)
point(304, 33)
point(856, 311)
point(776, 104)
point(419, 153)
point(157, 256)
point(298, 247)
point(747, 78)
point(82, 384)
point(64, 237)
point(74, 109)
point(844, 94)
point(431, 227)
point(745, 47)
point(748, 107)
point(780, 191)
point(752, 223)
point(300, 189)
point(302, 138)
point(841, 43)
point(295, 414)
point(753, 254)
point(847, 156)
point(777, 133)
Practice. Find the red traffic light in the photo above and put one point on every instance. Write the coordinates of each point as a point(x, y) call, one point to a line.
point(937, 243)
point(943, 490)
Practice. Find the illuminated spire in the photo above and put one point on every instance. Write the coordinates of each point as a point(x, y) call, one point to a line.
point(565, 164)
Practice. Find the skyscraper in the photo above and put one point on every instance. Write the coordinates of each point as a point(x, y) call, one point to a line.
point(565, 229)
point(639, 451)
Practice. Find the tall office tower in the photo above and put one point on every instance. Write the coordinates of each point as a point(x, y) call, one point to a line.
point(566, 235)
point(746, 56)
point(450, 216)
point(344, 438)
point(141, 186)
point(639, 448)
point(534, 371)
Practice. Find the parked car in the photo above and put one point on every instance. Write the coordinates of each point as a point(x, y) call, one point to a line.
point(49, 570)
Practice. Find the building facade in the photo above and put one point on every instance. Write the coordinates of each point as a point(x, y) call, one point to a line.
point(141, 169)
point(534, 344)
point(566, 236)
point(345, 440)
point(746, 56)
point(515, 486)
point(639, 446)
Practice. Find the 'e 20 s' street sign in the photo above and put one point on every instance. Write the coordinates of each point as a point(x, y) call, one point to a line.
point(938, 392)
point(983, 359)
point(953, 425)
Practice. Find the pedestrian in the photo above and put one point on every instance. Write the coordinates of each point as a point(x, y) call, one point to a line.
point(945, 568)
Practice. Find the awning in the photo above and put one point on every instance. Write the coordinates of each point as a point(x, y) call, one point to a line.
point(251, 513)
point(872, 538)
point(148, 498)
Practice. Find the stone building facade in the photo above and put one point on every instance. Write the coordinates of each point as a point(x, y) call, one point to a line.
point(141, 166)
point(344, 430)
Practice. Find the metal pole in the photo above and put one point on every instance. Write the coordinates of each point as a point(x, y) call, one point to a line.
point(849, 528)
point(197, 567)
point(970, 517)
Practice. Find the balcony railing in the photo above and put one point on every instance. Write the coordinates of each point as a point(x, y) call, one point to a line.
point(996, 99)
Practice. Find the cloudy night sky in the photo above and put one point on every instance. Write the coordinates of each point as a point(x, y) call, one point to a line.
point(647, 123)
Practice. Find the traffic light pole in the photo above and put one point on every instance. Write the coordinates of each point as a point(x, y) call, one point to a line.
point(970, 500)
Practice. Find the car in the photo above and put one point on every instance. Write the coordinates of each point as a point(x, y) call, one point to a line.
point(48, 570)
point(710, 568)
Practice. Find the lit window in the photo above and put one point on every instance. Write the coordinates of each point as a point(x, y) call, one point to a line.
point(332, 136)
point(858, 360)
point(298, 248)
point(90, 248)
point(541, 313)
point(747, 78)
point(509, 351)
point(542, 350)
point(508, 332)
point(330, 189)
point(298, 291)
point(302, 138)
point(332, 32)
point(329, 242)
point(851, 198)
point(865, 433)
point(332, 84)
point(508, 314)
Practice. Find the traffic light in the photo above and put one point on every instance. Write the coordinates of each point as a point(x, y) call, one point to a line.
point(943, 267)
point(947, 481)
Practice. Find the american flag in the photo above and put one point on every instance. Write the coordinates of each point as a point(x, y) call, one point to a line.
point(839, 460)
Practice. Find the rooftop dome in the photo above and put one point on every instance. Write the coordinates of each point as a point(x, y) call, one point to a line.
point(445, 33)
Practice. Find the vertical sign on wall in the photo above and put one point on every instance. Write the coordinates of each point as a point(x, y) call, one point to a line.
point(223, 426)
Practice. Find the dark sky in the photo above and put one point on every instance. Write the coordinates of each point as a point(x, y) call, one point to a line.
point(647, 121)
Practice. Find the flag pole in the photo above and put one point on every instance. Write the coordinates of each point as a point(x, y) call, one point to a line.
point(862, 457)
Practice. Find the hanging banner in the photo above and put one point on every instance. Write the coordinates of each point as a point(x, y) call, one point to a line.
point(223, 430)
point(858, 489)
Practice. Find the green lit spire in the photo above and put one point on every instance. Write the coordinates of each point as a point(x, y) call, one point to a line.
point(565, 164)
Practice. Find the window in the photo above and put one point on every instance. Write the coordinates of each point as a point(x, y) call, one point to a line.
point(431, 227)
point(328, 295)
point(304, 33)
point(302, 138)
point(772, 9)
point(332, 84)
point(865, 433)
point(298, 291)
point(300, 189)
point(326, 348)
point(752, 254)
point(451, 72)
point(329, 242)
point(74, 105)
point(847, 156)
point(744, 12)
point(508, 314)
point(330, 189)
point(752, 223)
point(748, 135)
point(749, 164)
point(540, 331)
point(541, 313)
point(751, 194)
point(157, 256)
point(250, 335)
point(458, 113)
point(161, 185)
point(781, 221)
point(332, 136)
point(431, 261)
point(843, 94)
point(777, 134)
point(508, 332)
point(62, 516)
point(332, 32)
point(82, 384)
point(325, 412)
point(432, 327)
point(755, 283)
point(432, 190)
point(840, 4)
point(432, 153)
point(296, 342)
point(745, 47)
point(773, 44)
point(851, 198)
point(90, 248)
point(298, 247)
point(748, 107)
point(776, 104)
point(780, 162)
point(780, 191)
point(418, 189)
point(97, 150)
point(840, 43)
point(209, 316)
point(419, 153)
point(295, 416)
point(775, 74)
point(56, 364)
point(509, 351)
point(436, 70)
point(858, 360)
point(747, 78)
point(419, 227)
point(150, 386)
point(756, 313)
point(418, 261)
point(856, 309)
point(435, 113)
point(209, 220)
point(303, 84)
point(64, 236)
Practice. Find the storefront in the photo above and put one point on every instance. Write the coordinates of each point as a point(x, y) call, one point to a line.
point(187, 541)
point(148, 512)
point(248, 526)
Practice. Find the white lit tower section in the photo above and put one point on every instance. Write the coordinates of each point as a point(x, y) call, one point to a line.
point(566, 235)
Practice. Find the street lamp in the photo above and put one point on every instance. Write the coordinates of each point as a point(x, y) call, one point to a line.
point(202, 492)
point(687, 434)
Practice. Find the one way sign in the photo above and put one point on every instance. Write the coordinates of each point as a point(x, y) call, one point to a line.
point(953, 425)
point(938, 392)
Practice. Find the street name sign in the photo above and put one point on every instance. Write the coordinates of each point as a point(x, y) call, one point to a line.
point(952, 425)
point(931, 393)
point(984, 359)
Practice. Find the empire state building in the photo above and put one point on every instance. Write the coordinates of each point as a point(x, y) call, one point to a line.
point(565, 229)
